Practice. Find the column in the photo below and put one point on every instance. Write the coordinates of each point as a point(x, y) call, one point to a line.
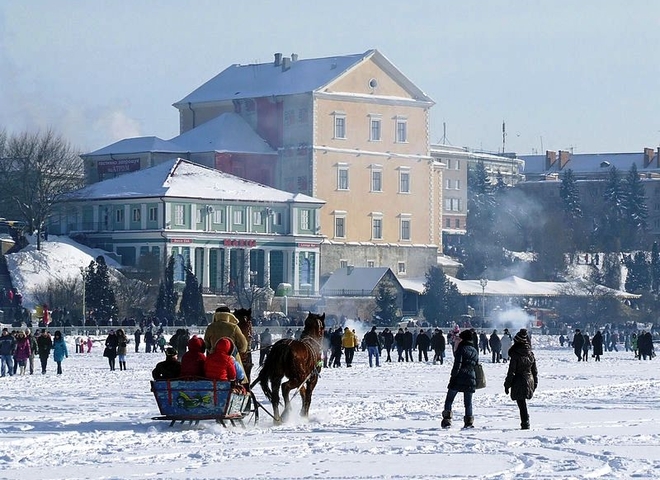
point(267, 268)
point(226, 272)
point(206, 282)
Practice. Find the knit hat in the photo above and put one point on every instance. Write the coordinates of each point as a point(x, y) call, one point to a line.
point(521, 336)
point(170, 352)
point(466, 335)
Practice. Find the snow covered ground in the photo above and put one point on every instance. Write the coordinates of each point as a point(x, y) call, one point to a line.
point(589, 420)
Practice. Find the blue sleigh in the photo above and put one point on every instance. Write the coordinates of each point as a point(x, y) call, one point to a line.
point(198, 399)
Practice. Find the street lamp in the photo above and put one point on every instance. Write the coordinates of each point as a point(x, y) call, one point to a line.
point(84, 276)
point(483, 282)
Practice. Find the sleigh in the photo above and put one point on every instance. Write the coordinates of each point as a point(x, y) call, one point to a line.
point(193, 400)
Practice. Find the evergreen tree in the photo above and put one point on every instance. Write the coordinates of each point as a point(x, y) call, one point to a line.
point(614, 213)
point(99, 294)
point(635, 208)
point(655, 268)
point(442, 300)
point(610, 273)
point(638, 279)
point(570, 196)
point(192, 304)
point(167, 296)
point(386, 305)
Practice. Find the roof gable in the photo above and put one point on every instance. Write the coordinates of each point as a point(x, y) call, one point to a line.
point(184, 179)
point(267, 79)
point(228, 132)
point(354, 279)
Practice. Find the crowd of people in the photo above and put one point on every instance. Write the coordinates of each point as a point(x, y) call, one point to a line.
point(641, 344)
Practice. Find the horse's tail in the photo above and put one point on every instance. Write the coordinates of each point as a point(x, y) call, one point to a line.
point(265, 374)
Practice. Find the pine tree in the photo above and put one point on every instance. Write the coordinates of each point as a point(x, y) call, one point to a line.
point(167, 296)
point(386, 305)
point(570, 196)
point(635, 208)
point(655, 268)
point(442, 300)
point(614, 213)
point(191, 308)
point(99, 294)
point(638, 279)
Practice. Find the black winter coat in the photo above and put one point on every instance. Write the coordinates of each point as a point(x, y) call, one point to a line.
point(522, 377)
point(438, 342)
point(463, 378)
point(597, 343)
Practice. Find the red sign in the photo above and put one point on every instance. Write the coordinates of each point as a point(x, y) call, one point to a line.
point(308, 245)
point(118, 166)
point(239, 243)
point(181, 240)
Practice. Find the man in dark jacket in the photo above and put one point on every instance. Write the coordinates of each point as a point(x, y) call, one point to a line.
point(7, 349)
point(44, 346)
point(462, 379)
point(578, 343)
point(423, 342)
point(168, 369)
point(495, 345)
point(438, 344)
point(388, 341)
point(335, 347)
point(522, 376)
point(408, 344)
point(372, 342)
point(138, 336)
point(400, 340)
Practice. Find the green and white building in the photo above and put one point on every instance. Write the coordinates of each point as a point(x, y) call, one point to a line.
point(232, 231)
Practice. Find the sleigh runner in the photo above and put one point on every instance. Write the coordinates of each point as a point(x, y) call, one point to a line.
point(195, 400)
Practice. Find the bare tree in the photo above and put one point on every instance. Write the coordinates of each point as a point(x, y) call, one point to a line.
point(35, 170)
point(65, 294)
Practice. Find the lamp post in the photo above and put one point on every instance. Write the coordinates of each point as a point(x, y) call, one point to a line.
point(483, 282)
point(84, 276)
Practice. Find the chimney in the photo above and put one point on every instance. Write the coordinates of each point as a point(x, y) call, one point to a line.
point(564, 157)
point(278, 59)
point(550, 159)
point(294, 57)
point(648, 157)
point(286, 64)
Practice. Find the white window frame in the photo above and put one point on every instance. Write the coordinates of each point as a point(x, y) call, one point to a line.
point(340, 217)
point(448, 184)
point(376, 226)
point(153, 214)
point(277, 218)
point(376, 178)
point(257, 217)
point(405, 225)
point(198, 214)
point(179, 215)
point(136, 214)
point(119, 215)
point(401, 268)
point(342, 174)
point(343, 263)
point(238, 217)
point(219, 215)
point(304, 219)
point(457, 165)
point(371, 263)
point(401, 130)
point(404, 186)
point(375, 128)
point(339, 125)
point(458, 184)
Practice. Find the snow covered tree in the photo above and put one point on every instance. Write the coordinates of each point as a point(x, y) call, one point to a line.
point(167, 296)
point(99, 294)
point(192, 304)
point(386, 305)
point(614, 213)
point(441, 298)
point(570, 196)
point(635, 208)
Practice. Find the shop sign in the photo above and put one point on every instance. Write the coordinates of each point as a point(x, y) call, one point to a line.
point(239, 242)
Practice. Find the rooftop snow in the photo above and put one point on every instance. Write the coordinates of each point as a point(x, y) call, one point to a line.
point(138, 145)
point(184, 179)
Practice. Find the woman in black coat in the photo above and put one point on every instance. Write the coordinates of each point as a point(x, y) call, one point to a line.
point(522, 377)
point(597, 344)
point(111, 344)
point(462, 379)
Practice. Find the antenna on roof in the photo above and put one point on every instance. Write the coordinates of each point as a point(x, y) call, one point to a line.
point(503, 137)
point(444, 140)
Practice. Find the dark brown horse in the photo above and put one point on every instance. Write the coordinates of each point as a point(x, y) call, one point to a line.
point(299, 362)
point(244, 316)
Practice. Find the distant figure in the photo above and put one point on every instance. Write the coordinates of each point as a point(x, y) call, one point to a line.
point(597, 344)
point(586, 346)
point(562, 339)
point(507, 341)
point(265, 342)
point(578, 342)
point(438, 345)
point(60, 351)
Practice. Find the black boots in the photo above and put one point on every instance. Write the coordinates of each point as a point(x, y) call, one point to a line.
point(524, 425)
point(446, 419)
point(122, 366)
point(468, 422)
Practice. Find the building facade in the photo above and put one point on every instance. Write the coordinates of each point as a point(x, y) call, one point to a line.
point(232, 232)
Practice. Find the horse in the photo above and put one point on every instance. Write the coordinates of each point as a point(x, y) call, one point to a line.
point(244, 316)
point(299, 362)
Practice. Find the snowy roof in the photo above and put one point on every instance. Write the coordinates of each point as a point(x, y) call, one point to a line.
point(181, 178)
point(589, 163)
point(302, 76)
point(354, 279)
point(225, 133)
point(138, 145)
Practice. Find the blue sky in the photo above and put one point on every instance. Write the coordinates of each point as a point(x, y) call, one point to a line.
point(561, 74)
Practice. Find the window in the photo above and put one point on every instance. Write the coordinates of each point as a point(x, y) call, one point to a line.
point(458, 184)
point(458, 223)
point(405, 229)
point(342, 178)
point(277, 218)
point(457, 165)
point(448, 222)
point(153, 214)
point(119, 215)
point(343, 263)
point(258, 218)
point(452, 204)
point(198, 215)
point(179, 215)
point(377, 228)
point(448, 183)
point(376, 180)
point(304, 219)
point(404, 182)
point(401, 268)
point(238, 217)
point(136, 214)
point(371, 264)
point(374, 131)
point(448, 163)
point(219, 216)
point(401, 130)
point(340, 125)
point(340, 227)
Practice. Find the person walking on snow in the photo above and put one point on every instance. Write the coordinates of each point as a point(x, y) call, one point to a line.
point(463, 378)
point(522, 375)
